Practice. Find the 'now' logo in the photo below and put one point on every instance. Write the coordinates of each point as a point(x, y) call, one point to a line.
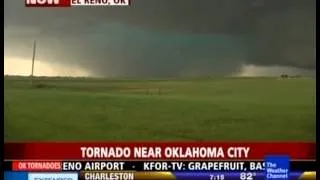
point(47, 3)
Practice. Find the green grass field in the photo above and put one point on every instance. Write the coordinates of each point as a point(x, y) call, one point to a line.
point(241, 109)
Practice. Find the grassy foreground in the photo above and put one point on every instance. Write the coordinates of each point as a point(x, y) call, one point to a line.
point(182, 109)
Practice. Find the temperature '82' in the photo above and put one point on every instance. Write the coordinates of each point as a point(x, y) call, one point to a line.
point(247, 176)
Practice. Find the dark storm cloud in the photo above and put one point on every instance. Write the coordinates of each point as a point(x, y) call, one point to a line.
point(167, 37)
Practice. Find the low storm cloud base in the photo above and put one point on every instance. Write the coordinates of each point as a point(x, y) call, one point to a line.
point(167, 38)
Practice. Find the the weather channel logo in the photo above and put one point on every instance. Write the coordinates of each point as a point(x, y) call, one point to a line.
point(277, 167)
point(52, 176)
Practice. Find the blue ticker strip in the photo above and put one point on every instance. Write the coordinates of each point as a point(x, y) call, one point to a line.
point(228, 175)
point(9, 175)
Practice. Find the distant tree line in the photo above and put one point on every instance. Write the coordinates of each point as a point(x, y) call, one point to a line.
point(284, 76)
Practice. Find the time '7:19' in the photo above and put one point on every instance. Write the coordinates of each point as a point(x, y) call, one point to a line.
point(217, 177)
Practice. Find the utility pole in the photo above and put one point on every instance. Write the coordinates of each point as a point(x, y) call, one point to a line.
point(33, 58)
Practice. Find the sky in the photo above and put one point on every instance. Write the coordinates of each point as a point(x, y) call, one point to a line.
point(163, 38)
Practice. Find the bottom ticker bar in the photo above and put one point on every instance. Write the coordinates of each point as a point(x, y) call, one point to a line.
point(189, 175)
point(10, 175)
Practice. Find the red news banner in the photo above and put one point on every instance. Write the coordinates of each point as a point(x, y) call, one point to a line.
point(157, 151)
